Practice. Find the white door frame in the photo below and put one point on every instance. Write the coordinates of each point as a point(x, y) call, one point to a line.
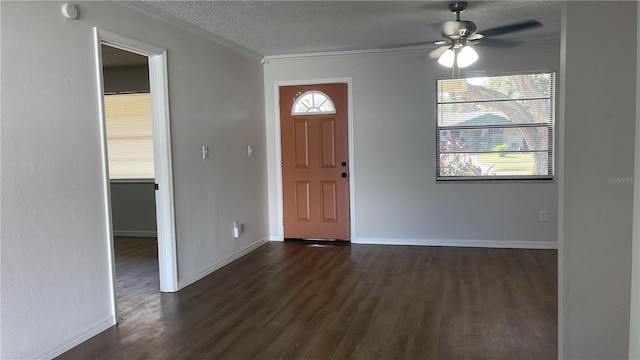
point(167, 259)
point(352, 201)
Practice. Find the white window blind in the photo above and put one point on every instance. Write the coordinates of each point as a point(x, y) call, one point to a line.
point(499, 127)
point(129, 136)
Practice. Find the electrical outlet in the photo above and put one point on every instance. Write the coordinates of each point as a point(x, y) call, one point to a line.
point(543, 216)
point(237, 229)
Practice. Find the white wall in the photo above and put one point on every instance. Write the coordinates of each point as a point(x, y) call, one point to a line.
point(56, 287)
point(597, 213)
point(397, 198)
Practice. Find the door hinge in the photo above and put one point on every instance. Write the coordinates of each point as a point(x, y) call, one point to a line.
point(281, 163)
point(156, 186)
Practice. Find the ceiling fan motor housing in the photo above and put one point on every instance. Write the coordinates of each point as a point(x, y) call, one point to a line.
point(458, 6)
point(457, 29)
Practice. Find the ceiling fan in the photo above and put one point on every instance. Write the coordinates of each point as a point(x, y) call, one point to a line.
point(459, 35)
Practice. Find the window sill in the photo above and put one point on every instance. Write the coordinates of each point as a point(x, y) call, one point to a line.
point(496, 180)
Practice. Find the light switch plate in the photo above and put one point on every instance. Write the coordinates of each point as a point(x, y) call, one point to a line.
point(205, 152)
point(543, 216)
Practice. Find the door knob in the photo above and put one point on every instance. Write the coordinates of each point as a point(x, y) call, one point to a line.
point(344, 163)
point(344, 174)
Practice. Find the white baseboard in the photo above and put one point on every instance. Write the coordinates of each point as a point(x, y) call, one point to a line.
point(135, 233)
point(275, 238)
point(460, 243)
point(76, 340)
point(238, 254)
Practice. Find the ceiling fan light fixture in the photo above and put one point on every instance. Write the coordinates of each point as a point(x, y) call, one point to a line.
point(466, 56)
point(447, 58)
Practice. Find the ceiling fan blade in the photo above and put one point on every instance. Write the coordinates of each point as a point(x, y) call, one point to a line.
point(434, 54)
point(509, 28)
point(502, 43)
point(413, 44)
point(435, 27)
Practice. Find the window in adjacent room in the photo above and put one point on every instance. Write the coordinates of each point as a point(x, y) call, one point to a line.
point(129, 136)
point(495, 128)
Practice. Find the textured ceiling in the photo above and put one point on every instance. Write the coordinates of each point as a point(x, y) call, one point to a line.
point(297, 27)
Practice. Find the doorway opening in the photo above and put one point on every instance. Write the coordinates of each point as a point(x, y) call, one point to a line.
point(158, 192)
point(127, 100)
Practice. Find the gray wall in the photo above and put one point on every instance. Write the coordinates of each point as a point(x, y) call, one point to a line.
point(634, 328)
point(597, 213)
point(396, 197)
point(133, 209)
point(126, 79)
point(55, 269)
point(133, 205)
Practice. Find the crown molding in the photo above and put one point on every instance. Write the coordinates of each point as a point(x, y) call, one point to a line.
point(138, 7)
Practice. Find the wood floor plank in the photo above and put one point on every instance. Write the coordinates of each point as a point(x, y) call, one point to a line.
point(297, 300)
point(325, 345)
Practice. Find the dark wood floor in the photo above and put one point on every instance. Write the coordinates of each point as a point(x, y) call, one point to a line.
point(296, 300)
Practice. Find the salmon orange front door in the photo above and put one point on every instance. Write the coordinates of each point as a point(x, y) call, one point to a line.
point(315, 161)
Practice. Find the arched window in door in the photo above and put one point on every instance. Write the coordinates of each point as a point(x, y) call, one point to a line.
point(313, 102)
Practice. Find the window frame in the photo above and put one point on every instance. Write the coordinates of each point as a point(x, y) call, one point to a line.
point(312, 93)
point(551, 134)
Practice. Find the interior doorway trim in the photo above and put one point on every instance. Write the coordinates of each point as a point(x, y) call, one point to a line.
point(352, 173)
point(165, 212)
